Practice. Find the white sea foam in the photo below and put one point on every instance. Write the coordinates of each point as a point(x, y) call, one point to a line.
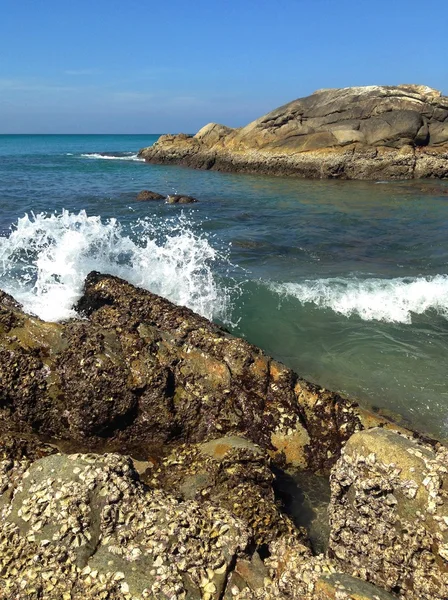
point(389, 300)
point(125, 156)
point(45, 259)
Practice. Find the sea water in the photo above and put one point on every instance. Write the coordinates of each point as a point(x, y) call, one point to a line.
point(345, 282)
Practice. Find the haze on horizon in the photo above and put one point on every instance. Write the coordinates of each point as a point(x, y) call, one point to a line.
point(142, 67)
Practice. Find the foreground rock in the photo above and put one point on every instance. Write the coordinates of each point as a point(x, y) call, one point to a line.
point(85, 527)
point(195, 511)
point(373, 132)
point(139, 373)
point(84, 524)
point(389, 513)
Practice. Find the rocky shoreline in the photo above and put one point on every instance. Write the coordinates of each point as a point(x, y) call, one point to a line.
point(372, 132)
point(142, 454)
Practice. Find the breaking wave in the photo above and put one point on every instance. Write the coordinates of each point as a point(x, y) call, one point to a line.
point(113, 156)
point(45, 258)
point(388, 300)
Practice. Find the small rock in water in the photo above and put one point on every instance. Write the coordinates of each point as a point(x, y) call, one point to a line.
point(180, 199)
point(145, 195)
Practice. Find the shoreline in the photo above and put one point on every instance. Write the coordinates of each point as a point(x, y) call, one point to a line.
point(211, 422)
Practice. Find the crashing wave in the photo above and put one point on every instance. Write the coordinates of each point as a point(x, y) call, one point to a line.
point(45, 258)
point(388, 300)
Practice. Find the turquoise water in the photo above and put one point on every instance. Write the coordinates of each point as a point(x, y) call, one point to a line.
point(346, 282)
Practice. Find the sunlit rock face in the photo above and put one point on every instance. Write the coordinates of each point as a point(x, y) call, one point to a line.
point(371, 132)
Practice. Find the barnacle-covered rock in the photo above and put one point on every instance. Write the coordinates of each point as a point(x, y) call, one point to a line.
point(231, 472)
point(86, 525)
point(389, 513)
point(138, 372)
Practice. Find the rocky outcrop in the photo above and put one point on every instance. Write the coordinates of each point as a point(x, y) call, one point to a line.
point(372, 132)
point(190, 504)
point(138, 373)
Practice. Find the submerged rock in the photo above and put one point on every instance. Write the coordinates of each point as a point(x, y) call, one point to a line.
point(371, 132)
point(145, 195)
point(180, 199)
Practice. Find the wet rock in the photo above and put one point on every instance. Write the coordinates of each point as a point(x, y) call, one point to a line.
point(233, 473)
point(139, 372)
point(293, 569)
point(371, 132)
point(146, 195)
point(85, 526)
point(388, 513)
point(340, 586)
point(180, 199)
point(250, 578)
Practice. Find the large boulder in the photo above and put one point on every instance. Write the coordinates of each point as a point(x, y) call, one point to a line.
point(83, 526)
point(389, 513)
point(138, 372)
point(353, 133)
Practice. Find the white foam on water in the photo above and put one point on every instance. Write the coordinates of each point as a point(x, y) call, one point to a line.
point(388, 300)
point(45, 259)
point(126, 156)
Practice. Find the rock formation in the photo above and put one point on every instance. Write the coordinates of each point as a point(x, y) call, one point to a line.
point(389, 513)
point(142, 450)
point(180, 199)
point(372, 132)
point(139, 372)
point(147, 195)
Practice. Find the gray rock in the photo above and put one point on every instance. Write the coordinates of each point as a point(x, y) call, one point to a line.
point(340, 586)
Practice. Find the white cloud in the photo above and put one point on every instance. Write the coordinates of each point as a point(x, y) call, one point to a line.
point(81, 72)
point(23, 85)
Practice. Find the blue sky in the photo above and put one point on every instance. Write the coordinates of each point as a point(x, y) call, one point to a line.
point(107, 66)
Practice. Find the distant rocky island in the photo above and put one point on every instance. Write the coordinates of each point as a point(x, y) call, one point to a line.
point(371, 132)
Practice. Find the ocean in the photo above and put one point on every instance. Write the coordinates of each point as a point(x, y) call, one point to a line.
point(345, 282)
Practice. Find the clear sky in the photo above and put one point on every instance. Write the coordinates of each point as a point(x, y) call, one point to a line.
point(127, 66)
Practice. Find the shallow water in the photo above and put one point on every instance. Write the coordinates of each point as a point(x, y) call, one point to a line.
point(346, 282)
